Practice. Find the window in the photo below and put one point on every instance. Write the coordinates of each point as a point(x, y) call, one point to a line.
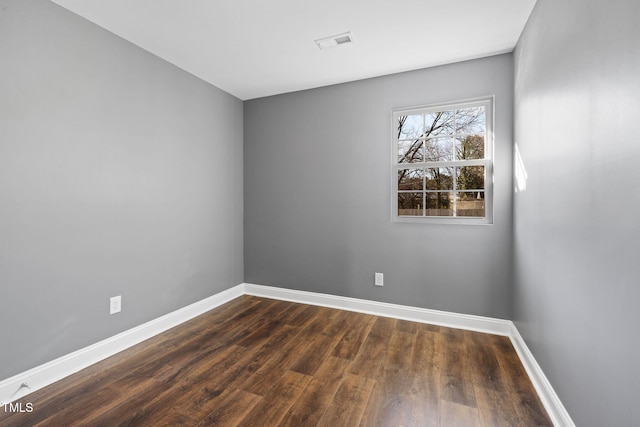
point(442, 163)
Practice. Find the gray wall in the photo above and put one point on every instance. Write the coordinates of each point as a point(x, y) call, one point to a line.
point(577, 235)
point(318, 204)
point(119, 174)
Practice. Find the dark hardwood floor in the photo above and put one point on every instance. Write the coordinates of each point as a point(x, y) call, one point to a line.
point(261, 362)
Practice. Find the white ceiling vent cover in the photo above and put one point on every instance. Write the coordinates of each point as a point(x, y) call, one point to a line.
point(337, 40)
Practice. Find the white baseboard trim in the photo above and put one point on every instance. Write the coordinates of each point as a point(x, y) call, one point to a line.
point(556, 410)
point(11, 389)
point(414, 314)
point(48, 373)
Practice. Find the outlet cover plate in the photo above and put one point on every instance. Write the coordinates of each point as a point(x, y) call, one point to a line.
point(379, 279)
point(115, 304)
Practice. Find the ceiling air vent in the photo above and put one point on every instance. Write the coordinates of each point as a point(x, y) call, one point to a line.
point(337, 40)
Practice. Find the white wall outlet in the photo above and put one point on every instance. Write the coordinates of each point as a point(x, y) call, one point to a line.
point(379, 281)
point(115, 304)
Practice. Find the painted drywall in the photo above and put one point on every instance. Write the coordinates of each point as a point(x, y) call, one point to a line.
point(318, 204)
point(120, 174)
point(577, 234)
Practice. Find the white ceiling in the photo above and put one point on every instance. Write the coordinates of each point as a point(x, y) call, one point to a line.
point(256, 48)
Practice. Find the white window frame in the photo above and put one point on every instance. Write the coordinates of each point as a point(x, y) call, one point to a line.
point(487, 162)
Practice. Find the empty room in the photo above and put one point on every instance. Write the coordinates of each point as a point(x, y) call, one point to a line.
point(352, 213)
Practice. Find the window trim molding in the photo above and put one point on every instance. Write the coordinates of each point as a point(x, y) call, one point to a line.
point(488, 162)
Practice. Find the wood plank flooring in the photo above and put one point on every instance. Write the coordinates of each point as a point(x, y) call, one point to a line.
point(261, 362)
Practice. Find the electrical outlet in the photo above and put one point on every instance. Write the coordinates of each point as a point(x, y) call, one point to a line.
point(379, 279)
point(115, 304)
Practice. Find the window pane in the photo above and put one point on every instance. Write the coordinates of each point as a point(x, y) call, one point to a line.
point(470, 147)
point(410, 151)
point(442, 161)
point(439, 204)
point(410, 179)
point(439, 178)
point(439, 123)
point(470, 120)
point(410, 204)
point(470, 203)
point(470, 178)
point(439, 149)
point(410, 127)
